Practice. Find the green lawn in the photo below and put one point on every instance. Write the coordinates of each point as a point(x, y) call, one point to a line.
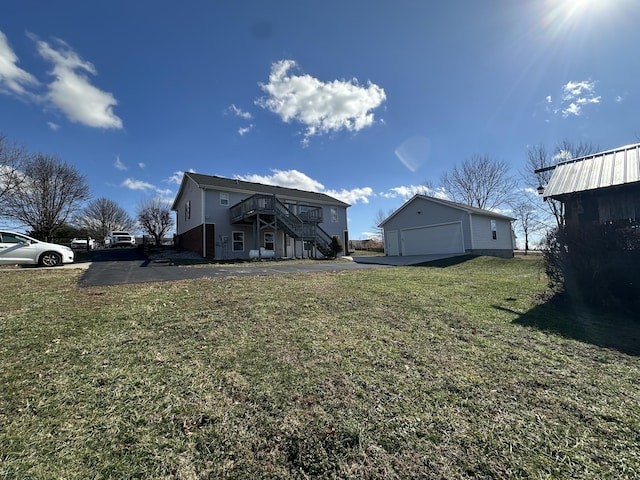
point(449, 371)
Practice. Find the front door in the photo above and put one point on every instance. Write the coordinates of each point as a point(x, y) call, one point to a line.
point(391, 243)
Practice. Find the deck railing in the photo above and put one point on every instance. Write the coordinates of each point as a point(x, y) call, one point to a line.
point(303, 226)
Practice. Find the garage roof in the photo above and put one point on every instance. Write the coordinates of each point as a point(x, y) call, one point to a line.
point(449, 203)
point(601, 170)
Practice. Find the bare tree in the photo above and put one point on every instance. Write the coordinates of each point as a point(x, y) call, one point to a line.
point(11, 159)
point(540, 165)
point(527, 213)
point(155, 218)
point(102, 216)
point(379, 218)
point(50, 192)
point(480, 182)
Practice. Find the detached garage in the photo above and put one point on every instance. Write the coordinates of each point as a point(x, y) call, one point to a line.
point(428, 226)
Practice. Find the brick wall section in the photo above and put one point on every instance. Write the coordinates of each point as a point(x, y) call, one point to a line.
point(191, 240)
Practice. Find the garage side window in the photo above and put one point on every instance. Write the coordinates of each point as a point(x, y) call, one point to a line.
point(238, 241)
point(494, 231)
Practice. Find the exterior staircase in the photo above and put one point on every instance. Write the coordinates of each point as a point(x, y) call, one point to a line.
point(303, 226)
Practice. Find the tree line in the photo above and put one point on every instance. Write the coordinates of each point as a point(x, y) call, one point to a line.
point(47, 195)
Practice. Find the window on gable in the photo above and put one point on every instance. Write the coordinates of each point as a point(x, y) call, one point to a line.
point(224, 199)
point(334, 215)
point(238, 241)
point(494, 231)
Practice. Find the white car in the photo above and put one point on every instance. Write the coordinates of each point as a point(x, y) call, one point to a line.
point(81, 243)
point(19, 249)
point(119, 239)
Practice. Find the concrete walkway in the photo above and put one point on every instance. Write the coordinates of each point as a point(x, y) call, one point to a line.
point(399, 261)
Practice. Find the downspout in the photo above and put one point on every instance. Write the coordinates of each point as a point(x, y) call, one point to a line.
point(204, 226)
point(275, 227)
point(470, 233)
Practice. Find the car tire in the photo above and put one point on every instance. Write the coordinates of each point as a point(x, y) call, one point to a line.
point(50, 259)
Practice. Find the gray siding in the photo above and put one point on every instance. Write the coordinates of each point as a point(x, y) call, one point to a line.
point(421, 213)
point(483, 237)
point(476, 224)
point(219, 215)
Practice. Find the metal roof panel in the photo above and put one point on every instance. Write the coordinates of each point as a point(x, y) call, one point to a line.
point(600, 170)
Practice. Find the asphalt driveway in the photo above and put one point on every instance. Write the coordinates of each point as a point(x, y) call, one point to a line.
point(129, 265)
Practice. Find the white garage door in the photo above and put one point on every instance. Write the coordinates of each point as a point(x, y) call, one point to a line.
point(433, 240)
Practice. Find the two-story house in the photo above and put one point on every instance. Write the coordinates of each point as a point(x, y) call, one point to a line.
point(223, 218)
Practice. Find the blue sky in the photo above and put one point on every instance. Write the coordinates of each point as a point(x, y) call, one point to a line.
point(363, 100)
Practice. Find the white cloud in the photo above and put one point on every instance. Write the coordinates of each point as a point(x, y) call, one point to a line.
point(53, 126)
point(13, 79)
point(322, 107)
point(300, 181)
point(119, 165)
point(238, 112)
point(562, 156)
point(142, 165)
point(176, 178)
point(165, 192)
point(573, 90)
point(72, 92)
point(133, 184)
point(245, 130)
point(572, 109)
point(405, 192)
point(351, 196)
point(575, 95)
point(285, 178)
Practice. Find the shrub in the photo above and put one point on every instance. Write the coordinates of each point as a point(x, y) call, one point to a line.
point(336, 246)
point(598, 264)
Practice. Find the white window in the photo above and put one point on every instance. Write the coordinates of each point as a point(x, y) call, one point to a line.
point(238, 241)
point(224, 199)
point(269, 241)
point(334, 215)
point(494, 231)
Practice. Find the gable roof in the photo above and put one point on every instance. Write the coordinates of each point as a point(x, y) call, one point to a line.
point(616, 167)
point(206, 182)
point(460, 206)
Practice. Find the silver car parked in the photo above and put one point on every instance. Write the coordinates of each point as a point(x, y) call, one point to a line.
point(19, 249)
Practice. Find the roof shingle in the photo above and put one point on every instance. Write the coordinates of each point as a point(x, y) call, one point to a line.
point(232, 184)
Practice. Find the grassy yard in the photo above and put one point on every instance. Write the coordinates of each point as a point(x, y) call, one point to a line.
point(450, 371)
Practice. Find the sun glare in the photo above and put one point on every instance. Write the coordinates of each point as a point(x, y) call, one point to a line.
point(573, 8)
